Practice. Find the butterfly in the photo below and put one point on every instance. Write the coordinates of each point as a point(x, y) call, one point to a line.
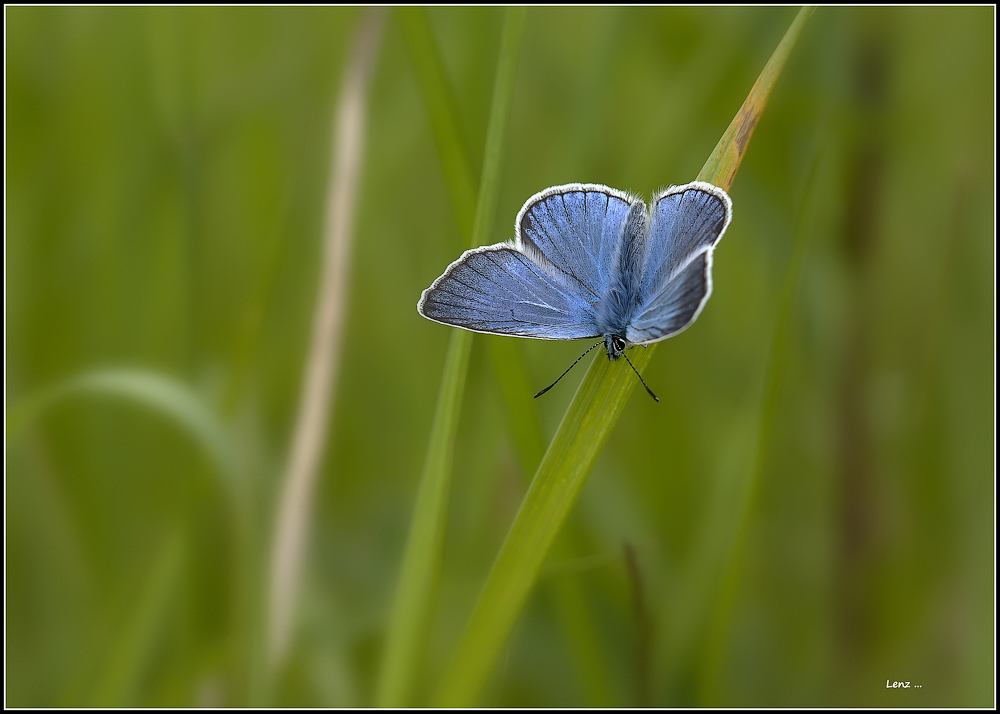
point(589, 261)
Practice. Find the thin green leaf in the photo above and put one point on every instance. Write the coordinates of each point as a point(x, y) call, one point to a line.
point(443, 111)
point(508, 365)
point(422, 557)
point(718, 631)
point(177, 402)
point(138, 638)
point(585, 428)
point(721, 167)
point(161, 393)
point(570, 605)
point(523, 425)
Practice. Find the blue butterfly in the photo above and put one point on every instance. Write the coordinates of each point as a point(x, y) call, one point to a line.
point(590, 261)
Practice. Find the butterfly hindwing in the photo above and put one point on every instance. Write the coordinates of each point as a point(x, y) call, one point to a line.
point(677, 305)
point(685, 226)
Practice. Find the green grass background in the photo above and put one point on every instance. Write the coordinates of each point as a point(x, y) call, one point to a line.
point(165, 178)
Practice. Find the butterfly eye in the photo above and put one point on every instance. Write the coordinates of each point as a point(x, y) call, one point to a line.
point(618, 343)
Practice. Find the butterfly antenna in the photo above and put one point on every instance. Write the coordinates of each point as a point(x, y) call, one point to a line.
point(655, 398)
point(571, 367)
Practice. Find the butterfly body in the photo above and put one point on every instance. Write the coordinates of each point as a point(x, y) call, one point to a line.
point(589, 261)
point(615, 346)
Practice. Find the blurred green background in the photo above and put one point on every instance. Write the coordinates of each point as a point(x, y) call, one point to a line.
point(166, 174)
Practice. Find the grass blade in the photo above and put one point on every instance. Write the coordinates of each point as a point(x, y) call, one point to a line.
point(721, 617)
point(165, 395)
point(319, 381)
point(422, 557)
point(443, 111)
point(721, 167)
point(523, 426)
point(145, 625)
point(585, 428)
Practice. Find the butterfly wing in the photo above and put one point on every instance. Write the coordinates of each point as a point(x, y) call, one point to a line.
point(577, 228)
point(686, 224)
point(498, 289)
point(549, 283)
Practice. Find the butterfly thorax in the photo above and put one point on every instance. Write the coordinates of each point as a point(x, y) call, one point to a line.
point(615, 345)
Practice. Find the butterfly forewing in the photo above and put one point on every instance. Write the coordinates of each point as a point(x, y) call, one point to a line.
point(499, 289)
point(577, 228)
